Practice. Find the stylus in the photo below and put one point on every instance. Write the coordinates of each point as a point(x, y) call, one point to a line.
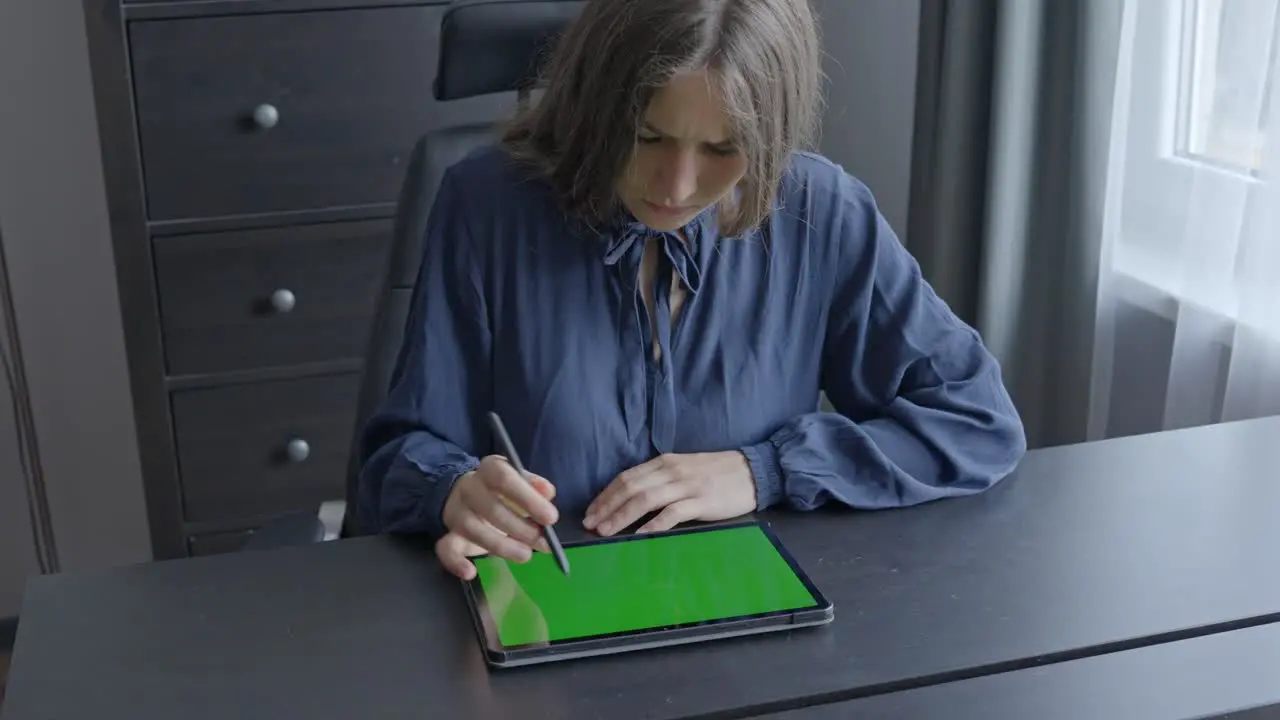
point(548, 532)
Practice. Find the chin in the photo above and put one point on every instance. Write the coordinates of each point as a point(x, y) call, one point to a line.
point(665, 222)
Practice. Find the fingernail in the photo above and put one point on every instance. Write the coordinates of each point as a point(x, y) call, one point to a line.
point(589, 522)
point(543, 546)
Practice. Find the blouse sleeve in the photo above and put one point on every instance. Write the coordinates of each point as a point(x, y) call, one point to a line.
point(942, 422)
point(425, 433)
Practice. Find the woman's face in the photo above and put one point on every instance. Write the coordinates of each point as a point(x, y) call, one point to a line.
point(685, 159)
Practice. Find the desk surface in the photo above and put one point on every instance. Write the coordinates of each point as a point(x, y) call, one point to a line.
point(1088, 549)
point(1236, 672)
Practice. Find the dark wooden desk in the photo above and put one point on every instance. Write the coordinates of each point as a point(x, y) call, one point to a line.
point(1088, 550)
point(1236, 672)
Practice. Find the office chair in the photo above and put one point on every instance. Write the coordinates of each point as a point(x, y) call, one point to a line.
point(486, 47)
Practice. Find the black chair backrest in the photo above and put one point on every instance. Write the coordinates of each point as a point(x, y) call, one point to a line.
point(493, 46)
point(486, 47)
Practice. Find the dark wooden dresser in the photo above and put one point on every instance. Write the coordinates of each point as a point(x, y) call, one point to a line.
point(253, 152)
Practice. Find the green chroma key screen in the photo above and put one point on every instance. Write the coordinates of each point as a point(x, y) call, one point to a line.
point(648, 582)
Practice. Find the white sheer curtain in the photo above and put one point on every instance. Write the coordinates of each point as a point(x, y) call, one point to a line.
point(1192, 217)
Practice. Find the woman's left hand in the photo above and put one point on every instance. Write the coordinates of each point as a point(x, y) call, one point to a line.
point(698, 486)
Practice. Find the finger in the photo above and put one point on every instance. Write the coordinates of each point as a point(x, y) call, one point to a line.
point(671, 516)
point(544, 488)
point(642, 503)
point(451, 550)
point(480, 532)
point(500, 515)
point(637, 479)
point(508, 483)
point(469, 549)
point(621, 483)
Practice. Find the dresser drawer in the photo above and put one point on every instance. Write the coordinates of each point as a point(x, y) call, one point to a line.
point(255, 298)
point(260, 449)
point(218, 543)
point(286, 112)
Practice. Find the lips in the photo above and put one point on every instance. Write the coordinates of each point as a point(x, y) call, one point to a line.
point(666, 210)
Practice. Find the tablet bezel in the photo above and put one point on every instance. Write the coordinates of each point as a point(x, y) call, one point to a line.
point(498, 655)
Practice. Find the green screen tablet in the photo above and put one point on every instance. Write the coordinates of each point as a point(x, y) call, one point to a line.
point(641, 591)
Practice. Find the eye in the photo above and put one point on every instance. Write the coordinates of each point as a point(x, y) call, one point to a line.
point(722, 150)
point(648, 139)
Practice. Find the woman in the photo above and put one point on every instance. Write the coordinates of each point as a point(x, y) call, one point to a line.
point(650, 283)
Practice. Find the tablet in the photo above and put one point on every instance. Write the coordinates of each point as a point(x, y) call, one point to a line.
point(641, 591)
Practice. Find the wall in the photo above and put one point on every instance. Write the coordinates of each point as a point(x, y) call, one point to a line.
point(53, 220)
point(870, 64)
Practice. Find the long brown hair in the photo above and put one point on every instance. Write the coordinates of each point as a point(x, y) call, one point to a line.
point(606, 67)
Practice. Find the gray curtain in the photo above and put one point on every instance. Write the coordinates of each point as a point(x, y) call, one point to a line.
point(1009, 158)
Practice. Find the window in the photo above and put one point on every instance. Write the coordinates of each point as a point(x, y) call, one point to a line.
point(1195, 107)
point(1226, 83)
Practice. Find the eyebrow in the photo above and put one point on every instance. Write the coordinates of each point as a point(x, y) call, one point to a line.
point(726, 143)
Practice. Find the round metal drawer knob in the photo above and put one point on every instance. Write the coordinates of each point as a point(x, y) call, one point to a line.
point(266, 116)
point(297, 450)
point(283, 300)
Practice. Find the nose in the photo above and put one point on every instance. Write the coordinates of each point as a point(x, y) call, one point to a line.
point(678, 177)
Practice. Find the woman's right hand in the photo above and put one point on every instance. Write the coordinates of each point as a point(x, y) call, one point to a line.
point(492, 509)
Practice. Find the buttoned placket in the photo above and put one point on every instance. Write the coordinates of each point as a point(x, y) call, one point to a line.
point(649, 383)
point(662, 396)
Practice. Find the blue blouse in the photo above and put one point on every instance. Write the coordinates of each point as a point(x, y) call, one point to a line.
point(520, 310)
